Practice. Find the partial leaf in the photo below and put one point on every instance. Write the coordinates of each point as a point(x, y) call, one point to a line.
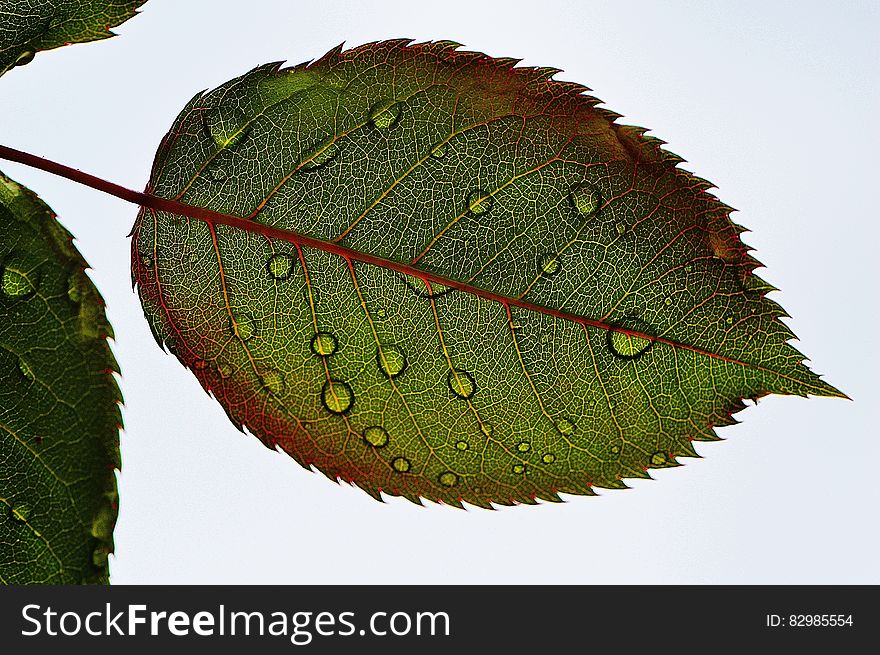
point(33, 25)
point(502, 294)
point(59, 404)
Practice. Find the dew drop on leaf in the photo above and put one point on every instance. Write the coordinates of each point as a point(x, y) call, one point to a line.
point(448, 479)
point(376, 436)
point(199, 365)
point(479, 202)
point(401, 464)
point(523, 446)
point(439, 151)
point(519, 469)
point(461, 383)
point(621, 228)
point(486, 428)
point(321, 155)
point(280, 266)
point(273, 381)
point(585, 199)
point(548, 458)
point(242, 325)
point(25, 57)
point(627, 346)
point(26, 370)
point(324, 344)
point(391, 360)
point(564, 426)
point(461, 445)
point(659, 458)
point(337, 397)
point(549, 265)
point(20, 513)
point(384, 114)
point(17, 285)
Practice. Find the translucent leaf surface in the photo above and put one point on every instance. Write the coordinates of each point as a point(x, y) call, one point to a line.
point(59, 404)
point(510, 295)
point(29, 26)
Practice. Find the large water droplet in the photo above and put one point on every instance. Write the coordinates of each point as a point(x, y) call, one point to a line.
point(280, 266)
point(461, 383)
point(384, 114)
point(24, 58)
point(273, 381)
point(324, 344)
point(659, 459)
point(479, 202)
point(337, 396)
point(391, 360)
point(448, 479)
point(321, 155)
point(19, 513)
point(376, 436)
point(585, 199)
point(549, 264)
point(548, 458)
point(624, 344)
point(523, 446)
point(401, 464)
point(565, 426)
point(226, 125)
point(17, 285)
point(439, 151)
point(243, 325)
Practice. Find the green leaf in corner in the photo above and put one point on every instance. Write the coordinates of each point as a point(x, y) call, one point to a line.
point(59, 403)
point(456, 279)
point(33, 25)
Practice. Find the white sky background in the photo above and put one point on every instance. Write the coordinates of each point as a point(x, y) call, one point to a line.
point(776, 103)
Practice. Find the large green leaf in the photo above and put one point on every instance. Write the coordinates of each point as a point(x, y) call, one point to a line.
point(29, 26)
point(503, 295)
point(59, 403)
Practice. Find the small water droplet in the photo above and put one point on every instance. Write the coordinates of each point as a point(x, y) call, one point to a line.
point(224, 369)
point(448, 479)
point(199, 365)
point(401, 464)
point(462, 445)
point(384, 114)
point(420, 288)
point(26, 370)
point(376, 436)
point(729, 320)
point(585, 199)
point(479, 202)
point(25, 57)
point(147, 260)
point(391, 360)
point(615, 450)
point(17, 285)
point(626, 345)
point(337, 397)
point(548, 458)
point(280, 266)
point(621, 228)
point(668, 301)
point(519, 469)
point(439, 151)
point(461, 383)
point(226, 125)
point(321, 155)
point(273, 381)
point(523, 446)
point(565, 426)
point(549, 264)
point(659, 459)
point(486, 428)
point(20, 513)
point(381, 313)
point(216, 173)
point(324, 344)
point(242, 325)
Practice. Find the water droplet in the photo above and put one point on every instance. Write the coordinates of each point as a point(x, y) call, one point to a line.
point(20, 513)
point(523, 446)
point(391, 360)
point(626, 345)
point(337, 396)
point(668, 301)
point(376, 436)
point(99, 557)
point(17, 285)
point(216, 173)
point(549, 264)
point(565, 426)
point(461, 445)
point(461, 383)
point(280, 266)
point(659, 459)
point(226, 125)
point(401, 464)
point(519, 469)
point(147, 260)
point(729, 320)
point(76, 286)
point(273, 381)
point(384, 114)
point(585, 199)
point(479, 202)
point(321, 155)
point(224, 369)
point(242, 325)
point(548, 458)
point(615, 450)
point(487, 429)
point(25, 57)
point(324, 344)
point(439, 151)
point(26, 370)
point(448, 479)
point(621, 228)
point(381, 313)
point(199, 365)
point(420, 288)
